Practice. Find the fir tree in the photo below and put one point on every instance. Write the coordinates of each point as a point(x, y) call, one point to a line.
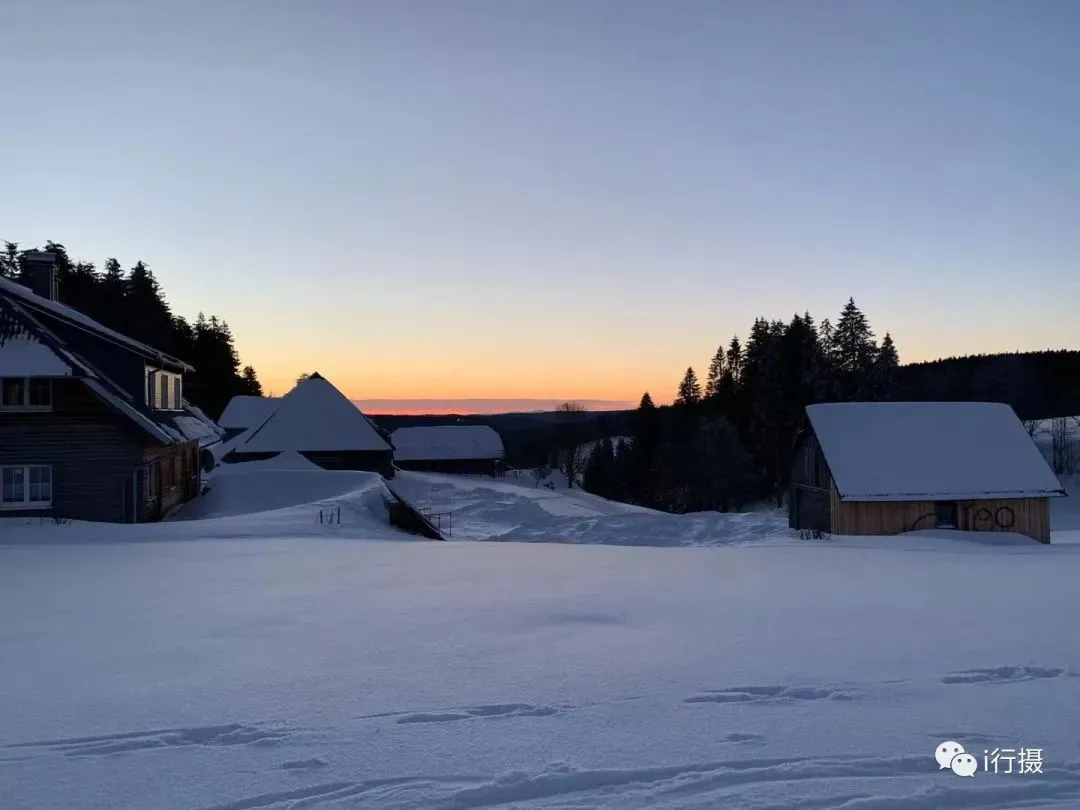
point(251, 385)
point(734, 359)
point(886, 365)
point(689, 389)
point(717, 370)
point(9, 261)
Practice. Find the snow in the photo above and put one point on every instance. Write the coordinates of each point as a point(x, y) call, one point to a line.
point(501, 509)
point(247, 411)
point(25, 356)
point(192, 427)
point(313, 417)
point(249, 657)
point(446, 442)
point(930, 451)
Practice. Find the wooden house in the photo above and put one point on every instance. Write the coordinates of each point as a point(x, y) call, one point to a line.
point(317, 421)
point(93, 424)
point(890, 467)
point(463, 449)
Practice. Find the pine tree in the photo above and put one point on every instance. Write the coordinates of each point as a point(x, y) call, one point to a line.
point(641, 459)
point(734, 359)
point(9, 261)
point(717, 370)
point(252, 386)
point(598, 475)
point(885, 368)
point(854, 352)
point(689, 389)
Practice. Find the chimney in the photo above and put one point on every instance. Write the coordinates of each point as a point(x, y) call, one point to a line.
point(39, 272)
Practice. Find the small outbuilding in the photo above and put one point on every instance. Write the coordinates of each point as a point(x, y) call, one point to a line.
point(890, 467)
point(462, 449)
point(320, 423)
point(245, 412)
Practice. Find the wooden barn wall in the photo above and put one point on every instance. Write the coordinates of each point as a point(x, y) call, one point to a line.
point(1030, 516)
point(880, 517)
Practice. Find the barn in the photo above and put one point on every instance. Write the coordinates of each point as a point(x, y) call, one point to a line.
point(891, 467)
point(465, 449)
point(320, 423)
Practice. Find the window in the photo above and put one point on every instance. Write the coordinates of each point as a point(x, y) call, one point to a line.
point(26, 394)
point(163, 390)
point(945, 515)
point(27, 487)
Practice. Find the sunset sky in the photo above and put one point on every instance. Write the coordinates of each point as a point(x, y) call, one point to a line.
point(555, 199)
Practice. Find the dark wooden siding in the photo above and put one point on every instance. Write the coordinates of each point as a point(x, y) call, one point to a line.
point(169, 477)
point(94, 453)
point(380, 461)
point(809, 504)
point(459, 466)
point(123, 366)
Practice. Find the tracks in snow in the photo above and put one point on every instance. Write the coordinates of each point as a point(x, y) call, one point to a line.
point(305, 774)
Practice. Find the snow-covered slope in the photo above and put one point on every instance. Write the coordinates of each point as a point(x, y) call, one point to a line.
point(316, 674)
point(500, 509)
point(259, 660)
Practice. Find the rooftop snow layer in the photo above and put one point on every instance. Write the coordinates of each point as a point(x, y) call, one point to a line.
point(445, 442)
point(247, 411)
point(946, 451)
point(314, 417)
point(192, 428)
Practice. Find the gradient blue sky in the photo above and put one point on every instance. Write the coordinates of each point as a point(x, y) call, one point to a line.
point(556, 199)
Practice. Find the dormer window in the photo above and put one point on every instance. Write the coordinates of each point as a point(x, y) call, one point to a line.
point(25, 394)
point(164, 390)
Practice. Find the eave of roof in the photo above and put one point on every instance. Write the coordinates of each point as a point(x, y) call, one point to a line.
point(78, 320)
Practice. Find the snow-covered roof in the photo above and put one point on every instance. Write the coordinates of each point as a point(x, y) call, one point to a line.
point(941, 451)
point(244, 411)
point(445, 442)
point(313, 417)
point(26, 296)
point(194, 425)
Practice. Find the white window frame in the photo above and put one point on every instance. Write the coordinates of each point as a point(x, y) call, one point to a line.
point(26, 502)
point(173, 400)
point(151, 388)
point(25, 404)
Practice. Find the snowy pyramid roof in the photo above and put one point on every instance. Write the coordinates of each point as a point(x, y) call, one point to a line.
point(445, 442)
point(245, 411)
point(313, 417)
point(944, 451)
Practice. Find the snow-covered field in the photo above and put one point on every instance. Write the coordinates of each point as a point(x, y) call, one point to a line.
point(242, 661)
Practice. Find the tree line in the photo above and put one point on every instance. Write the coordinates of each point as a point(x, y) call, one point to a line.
point(133, 303)
point(729, 440)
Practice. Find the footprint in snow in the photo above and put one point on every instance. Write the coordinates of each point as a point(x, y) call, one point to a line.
point(232, 734)
point(769, 694)
point(1005, 674)
point(494, 711)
